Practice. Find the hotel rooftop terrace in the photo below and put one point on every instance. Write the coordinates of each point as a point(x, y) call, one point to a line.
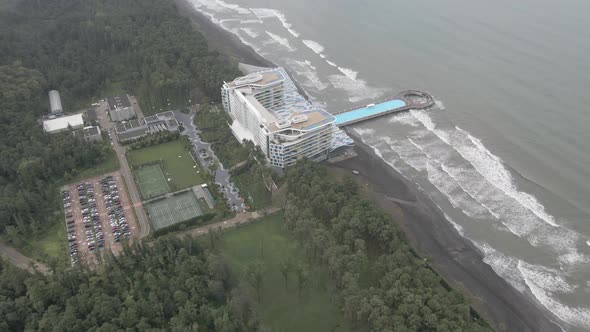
point(296, 104)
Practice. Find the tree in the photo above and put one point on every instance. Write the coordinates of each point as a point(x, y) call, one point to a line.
point(255, 275)
point(286, 267)
point(336, 224)
point(302, 276)
point(214, 235)
point(163, 286)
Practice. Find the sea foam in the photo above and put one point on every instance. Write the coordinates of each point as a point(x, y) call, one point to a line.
point(234, 7)
point(488, 165)
point(357, 90)
point(484, 177)
point(348, 73)
point(405, 119)
point(457, 227)
point(544, 283)
point(306, 69)
point(281, 40)
point(314, 46)
point(250, 32)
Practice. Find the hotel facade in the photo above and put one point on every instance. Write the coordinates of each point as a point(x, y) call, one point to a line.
point(267, 109)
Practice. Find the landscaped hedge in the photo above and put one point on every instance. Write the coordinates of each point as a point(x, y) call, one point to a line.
point(152, 139)
point(184, 224)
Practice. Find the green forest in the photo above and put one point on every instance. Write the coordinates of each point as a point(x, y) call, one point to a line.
point(31, 161)
point(381, 281)
point(171, 285)
point(85, 49)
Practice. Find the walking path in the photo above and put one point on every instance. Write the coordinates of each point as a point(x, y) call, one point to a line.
point(241, 218)
point(222, 176)
point(20, 260)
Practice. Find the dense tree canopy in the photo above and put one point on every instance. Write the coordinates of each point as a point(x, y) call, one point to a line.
point(382, 283)
point(141, 46)
point(171, 285)
point(31, 160)
point(85, 49)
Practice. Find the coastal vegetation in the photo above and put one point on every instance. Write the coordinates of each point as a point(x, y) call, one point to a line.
point(293, 295)
point(172, 285)
point(85, 48)
point(380, 280)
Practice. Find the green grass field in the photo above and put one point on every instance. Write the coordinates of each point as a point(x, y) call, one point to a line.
point(169, 211)
point(252, 189)
point(152, 182)
point(281, 309)
point(181, 170)
point(48, 244)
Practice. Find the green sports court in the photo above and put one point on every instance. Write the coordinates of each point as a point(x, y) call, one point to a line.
point(171, 210)
point(151, 181)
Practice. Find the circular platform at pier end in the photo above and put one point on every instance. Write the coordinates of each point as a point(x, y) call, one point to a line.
point(415, 99)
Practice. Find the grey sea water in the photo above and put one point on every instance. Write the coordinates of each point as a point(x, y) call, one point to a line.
point(506, 152)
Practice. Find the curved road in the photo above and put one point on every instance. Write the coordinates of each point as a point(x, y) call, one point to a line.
point(222, 176)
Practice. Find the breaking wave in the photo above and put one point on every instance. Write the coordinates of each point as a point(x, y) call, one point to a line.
point(545, 283)
point(250, 32)
point(281, 40)
point(348, 73)
point(488, 165)
point(307, 70)
point(357, 90)
point(314, 46)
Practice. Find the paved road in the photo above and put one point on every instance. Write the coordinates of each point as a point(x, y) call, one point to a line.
point(20, 260)
point(222, 176)
point(144, 226)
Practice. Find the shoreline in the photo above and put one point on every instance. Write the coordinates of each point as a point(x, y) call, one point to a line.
point(221, 40)
point(451, 255)
point(227, 44)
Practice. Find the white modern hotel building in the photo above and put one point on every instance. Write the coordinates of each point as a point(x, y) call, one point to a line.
point(267, 109)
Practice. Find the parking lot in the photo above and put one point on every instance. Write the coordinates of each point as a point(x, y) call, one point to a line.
point(98, 216)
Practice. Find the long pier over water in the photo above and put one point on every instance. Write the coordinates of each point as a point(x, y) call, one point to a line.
point(404, 101)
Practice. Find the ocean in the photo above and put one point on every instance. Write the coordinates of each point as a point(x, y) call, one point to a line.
point(505, 153)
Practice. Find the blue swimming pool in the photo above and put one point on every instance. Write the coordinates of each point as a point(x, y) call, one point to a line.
point(362, 112)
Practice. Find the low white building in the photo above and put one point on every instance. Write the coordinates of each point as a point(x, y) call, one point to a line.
point(63, 123)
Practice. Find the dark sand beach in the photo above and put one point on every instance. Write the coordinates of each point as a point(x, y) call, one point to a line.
point(451, 255)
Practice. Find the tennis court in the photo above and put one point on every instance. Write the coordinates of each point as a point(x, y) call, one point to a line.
point(152, 182)
point(172, 210)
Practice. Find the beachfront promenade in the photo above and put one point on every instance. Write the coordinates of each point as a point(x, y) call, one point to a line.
point(404, 101)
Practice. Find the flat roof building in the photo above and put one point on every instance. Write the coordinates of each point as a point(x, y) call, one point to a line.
point(120, 108)
point(137, 128)
point(267, 109)
point(92, 134)
point(63, 123)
